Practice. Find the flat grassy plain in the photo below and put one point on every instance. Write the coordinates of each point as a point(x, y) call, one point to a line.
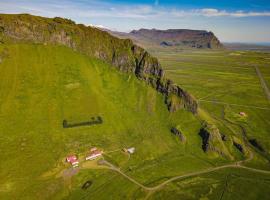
point(41, 85)
point(224, 184)
point(225, 83)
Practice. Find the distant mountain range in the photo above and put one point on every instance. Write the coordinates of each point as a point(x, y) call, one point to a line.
point(182, 38)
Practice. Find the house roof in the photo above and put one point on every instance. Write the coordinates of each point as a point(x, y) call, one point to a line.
point(131, 150)
point(96, 152)
point(72, 158)
point(93, 149)
point(73, 162)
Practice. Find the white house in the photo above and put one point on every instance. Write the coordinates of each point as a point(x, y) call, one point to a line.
point(94, 153)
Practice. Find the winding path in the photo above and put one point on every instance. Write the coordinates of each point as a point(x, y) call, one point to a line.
point(236, 165)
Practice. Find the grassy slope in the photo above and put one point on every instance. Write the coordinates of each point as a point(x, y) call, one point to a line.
point(42, 85)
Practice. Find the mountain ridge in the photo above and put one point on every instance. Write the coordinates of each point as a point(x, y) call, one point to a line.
point(122, 54)
point(185, 38)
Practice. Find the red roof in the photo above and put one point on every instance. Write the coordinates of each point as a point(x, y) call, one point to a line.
point(71, 159)
point(74, 162)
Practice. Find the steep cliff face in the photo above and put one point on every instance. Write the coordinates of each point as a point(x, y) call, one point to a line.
point(122, 54)
point(183, 38)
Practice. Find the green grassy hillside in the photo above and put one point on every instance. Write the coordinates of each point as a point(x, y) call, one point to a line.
point(54, 70)
point(41, 85)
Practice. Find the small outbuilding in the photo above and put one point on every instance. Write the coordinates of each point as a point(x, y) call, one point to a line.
point(243, 114)
point(131, 150)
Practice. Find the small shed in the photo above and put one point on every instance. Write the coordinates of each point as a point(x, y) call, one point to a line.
point(243, 114)
point(131, 150)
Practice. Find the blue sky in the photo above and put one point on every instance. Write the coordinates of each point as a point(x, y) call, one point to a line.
point(230, 20)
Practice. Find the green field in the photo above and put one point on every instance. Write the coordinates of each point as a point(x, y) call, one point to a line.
point(41, 85)
point(225, 83)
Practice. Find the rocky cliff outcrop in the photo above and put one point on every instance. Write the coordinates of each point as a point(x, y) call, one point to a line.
point(183, 38)
point(179, 134)
point(122, 54)
point(239, 145)
point(212, 141)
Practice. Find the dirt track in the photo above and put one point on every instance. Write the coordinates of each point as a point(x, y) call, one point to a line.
point(236, 165)
point(263, 83)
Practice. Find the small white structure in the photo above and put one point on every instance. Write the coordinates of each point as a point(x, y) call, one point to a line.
point(76, 164)
point(243, 114)
point(94, 153)
point(131, 150)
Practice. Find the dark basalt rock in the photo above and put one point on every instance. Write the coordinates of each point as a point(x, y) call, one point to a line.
point(212, 141)
point(122, 54)
point(176, 37)
point(255, 143)
point(205, 139)
point(239, 147)
point(223, 137)
point(178, 133)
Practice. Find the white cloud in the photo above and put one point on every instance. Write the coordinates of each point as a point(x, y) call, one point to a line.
point(210, 12)
point(125, 17)
point(98, 26)
point(96, 8)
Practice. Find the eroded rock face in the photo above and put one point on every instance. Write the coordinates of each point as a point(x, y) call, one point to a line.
point(122, 54)
point(183, 38)
point(224, 137)
point(239, 144)
point(256, 144)
point(178, 133)
point(212, 141)
point(239, 147)
point(205, 135)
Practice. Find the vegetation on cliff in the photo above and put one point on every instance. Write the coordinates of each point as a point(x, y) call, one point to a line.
point(122, 54)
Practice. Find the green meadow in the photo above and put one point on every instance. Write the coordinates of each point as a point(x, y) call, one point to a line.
point(225, 83)
point(42, 85)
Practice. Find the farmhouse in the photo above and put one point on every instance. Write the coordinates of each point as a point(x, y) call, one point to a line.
point(94, 153)
point(73, 160)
